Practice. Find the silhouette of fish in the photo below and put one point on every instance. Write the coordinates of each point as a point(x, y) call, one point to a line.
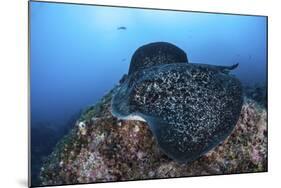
point(122, 28)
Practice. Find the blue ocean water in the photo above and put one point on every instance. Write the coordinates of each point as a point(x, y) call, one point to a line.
point(77, 52)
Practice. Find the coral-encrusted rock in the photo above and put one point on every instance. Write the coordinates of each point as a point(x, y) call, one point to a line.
point(101, 148)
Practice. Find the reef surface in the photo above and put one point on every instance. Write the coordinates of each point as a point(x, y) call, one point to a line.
point(101, 148)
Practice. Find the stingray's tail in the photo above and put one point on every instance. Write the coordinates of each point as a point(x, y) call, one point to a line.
point(234, 66)
point(227, 69)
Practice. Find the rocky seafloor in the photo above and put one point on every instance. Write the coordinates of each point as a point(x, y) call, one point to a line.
point(101, 148)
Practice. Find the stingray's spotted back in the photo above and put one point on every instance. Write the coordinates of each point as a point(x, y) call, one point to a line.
point(190, 108)
point(156, 54)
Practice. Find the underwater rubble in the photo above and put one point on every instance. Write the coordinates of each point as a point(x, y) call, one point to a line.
point(258, 93)
point(101, 148)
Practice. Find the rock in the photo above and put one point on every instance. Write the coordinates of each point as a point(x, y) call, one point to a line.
point(116, 150)
point(258, 93)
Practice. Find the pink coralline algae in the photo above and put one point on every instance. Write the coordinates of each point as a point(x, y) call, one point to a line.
point(102, 148)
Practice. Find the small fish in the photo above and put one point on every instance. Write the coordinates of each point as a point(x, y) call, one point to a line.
point(122, 28)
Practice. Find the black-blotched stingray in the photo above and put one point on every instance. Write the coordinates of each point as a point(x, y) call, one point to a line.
point(190, 108)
